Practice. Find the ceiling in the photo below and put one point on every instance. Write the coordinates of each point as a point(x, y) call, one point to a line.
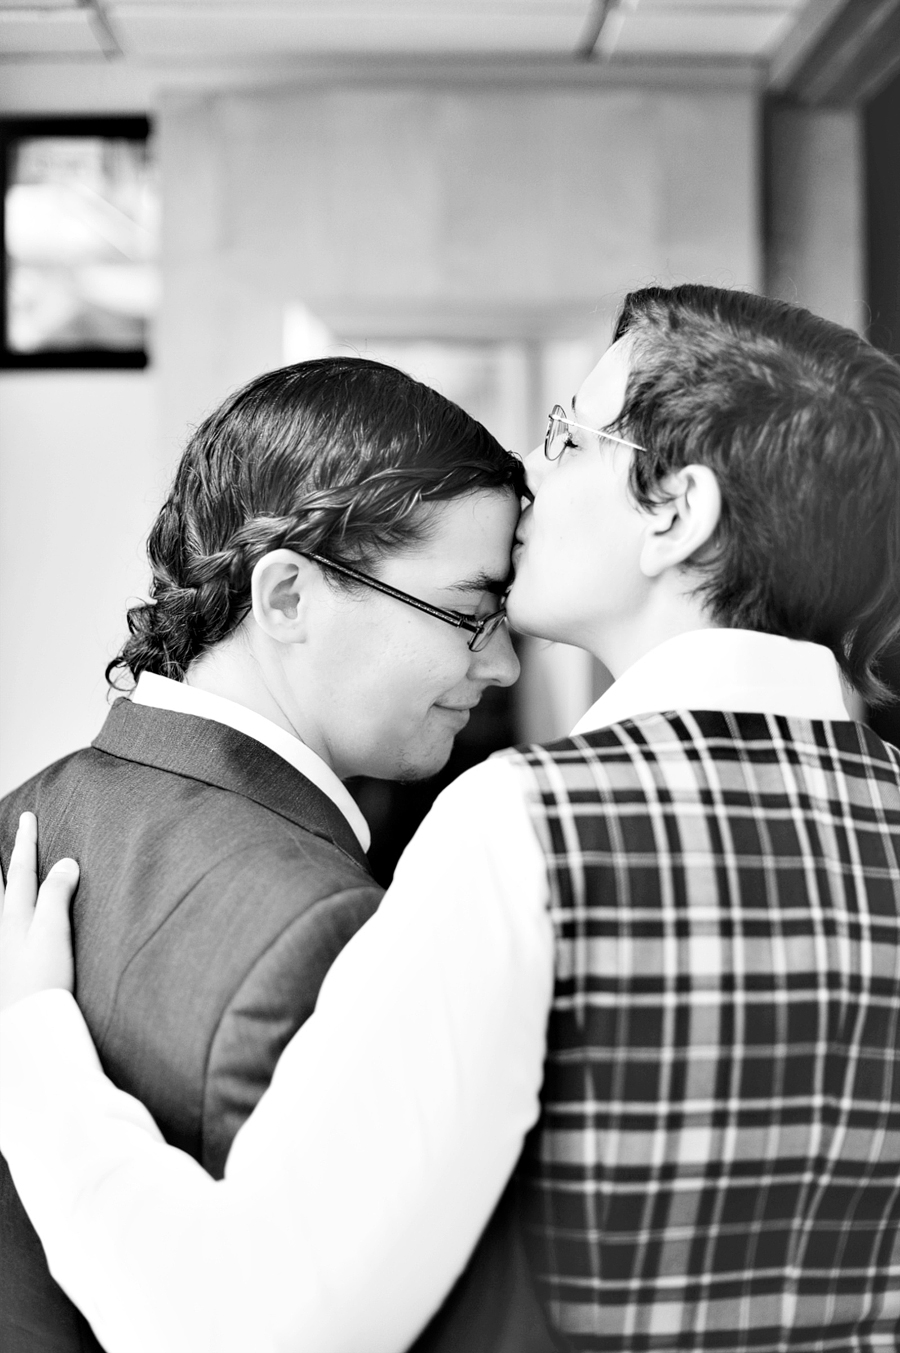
point(817, 52)
point(216, 31)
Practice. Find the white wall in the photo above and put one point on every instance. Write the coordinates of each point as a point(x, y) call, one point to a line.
point(81, 478)
point(80, 484)
point(436, 212)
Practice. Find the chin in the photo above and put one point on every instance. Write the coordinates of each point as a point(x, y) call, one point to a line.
point(522, 620)
point(422, 765)
point(416, 776)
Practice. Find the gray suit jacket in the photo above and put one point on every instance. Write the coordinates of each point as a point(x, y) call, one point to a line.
point(217, 887)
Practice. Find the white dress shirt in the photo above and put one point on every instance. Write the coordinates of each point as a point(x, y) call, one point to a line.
point(359, 1185)
point(162, 693)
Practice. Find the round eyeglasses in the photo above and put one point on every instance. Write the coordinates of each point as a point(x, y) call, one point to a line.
point(558, 426)
point(482, 631)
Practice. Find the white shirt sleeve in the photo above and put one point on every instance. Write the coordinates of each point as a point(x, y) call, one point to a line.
point(357, 1189)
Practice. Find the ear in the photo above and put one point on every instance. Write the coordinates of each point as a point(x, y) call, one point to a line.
point(279, 590)
point(684, 521)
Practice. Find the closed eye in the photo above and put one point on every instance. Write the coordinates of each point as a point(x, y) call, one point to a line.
point(493, 604)
point(482, 593)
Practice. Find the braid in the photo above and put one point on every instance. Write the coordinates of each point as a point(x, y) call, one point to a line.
point(336, 456)
point(196, 605)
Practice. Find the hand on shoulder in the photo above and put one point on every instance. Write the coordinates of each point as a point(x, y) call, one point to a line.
point(35, 933)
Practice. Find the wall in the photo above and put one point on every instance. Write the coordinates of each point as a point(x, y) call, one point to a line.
point(80, 480)
point(435, 212)
point(79, 485)
point(815, 210)
point(417, 210)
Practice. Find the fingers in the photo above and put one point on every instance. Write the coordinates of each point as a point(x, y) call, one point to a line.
point(36, 941)
point(21, 876)
point(35, 932)
point(51, 916)
point(21, 896)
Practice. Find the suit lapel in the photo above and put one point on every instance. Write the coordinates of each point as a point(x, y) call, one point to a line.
point(201, 749)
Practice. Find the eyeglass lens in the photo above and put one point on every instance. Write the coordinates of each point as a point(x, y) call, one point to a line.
point(487, 632)
point(557, 427)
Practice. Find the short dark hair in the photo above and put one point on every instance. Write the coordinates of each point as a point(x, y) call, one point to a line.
point(800, 420)
point(335, 456)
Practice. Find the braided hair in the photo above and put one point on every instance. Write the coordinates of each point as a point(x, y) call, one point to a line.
point(334, 456)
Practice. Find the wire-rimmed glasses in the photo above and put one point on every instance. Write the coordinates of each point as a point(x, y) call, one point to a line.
point(482, 631)
point(558, 425)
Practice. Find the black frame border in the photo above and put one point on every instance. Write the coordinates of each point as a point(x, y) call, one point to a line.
point(91, 359)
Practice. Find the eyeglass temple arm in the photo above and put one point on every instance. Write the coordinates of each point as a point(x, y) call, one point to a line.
point(600, 432)
point(451, 617)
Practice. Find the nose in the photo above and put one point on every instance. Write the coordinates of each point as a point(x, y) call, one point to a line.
point(496, 664)
point(536, 467)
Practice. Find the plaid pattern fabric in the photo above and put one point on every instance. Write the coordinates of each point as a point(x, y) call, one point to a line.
point(717, 1164)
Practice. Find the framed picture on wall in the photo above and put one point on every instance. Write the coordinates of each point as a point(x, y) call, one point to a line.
point(79, 212)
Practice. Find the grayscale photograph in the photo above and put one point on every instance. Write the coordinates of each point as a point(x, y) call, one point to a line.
point(450, 676)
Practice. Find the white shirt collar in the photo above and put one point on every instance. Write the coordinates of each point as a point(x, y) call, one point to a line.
point(741, 671)
point(161, 692)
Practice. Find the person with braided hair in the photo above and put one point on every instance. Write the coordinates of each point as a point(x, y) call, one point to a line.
point(325, 602)
point(649, 972)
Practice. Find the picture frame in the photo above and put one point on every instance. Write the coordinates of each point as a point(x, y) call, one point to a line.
point(79, 228)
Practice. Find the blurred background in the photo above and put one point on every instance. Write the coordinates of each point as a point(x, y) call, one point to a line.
point(198, 190)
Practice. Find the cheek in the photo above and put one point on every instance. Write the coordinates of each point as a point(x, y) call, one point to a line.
point(566, 535)
point(414, 677)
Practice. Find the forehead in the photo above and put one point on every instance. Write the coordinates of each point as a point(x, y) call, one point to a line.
point(602, 394)
point(469, 536)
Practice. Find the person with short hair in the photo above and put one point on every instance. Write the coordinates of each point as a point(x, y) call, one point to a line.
point(692, 902)
point(327, 575)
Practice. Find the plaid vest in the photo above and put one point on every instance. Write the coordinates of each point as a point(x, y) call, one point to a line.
point(717, 1162)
